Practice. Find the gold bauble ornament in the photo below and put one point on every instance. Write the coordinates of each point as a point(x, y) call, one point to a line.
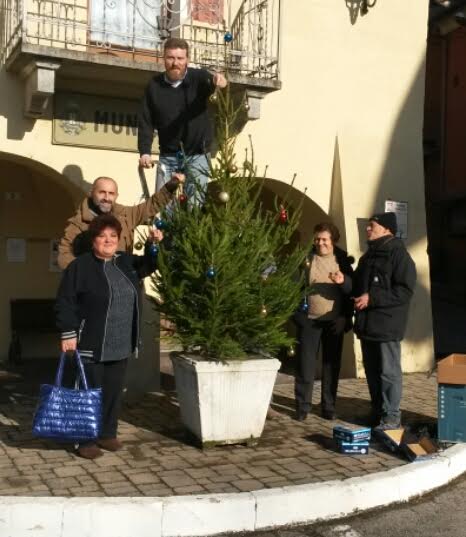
point(139, 245)
point(224, 197)
point(213, 98)
point(233, 168)
point(263, 310)
point(291, 352)
point(308, 262)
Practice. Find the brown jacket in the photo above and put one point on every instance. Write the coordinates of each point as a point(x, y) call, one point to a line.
point(129, 216)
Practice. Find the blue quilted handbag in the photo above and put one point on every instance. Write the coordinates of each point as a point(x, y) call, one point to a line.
point(66, 414)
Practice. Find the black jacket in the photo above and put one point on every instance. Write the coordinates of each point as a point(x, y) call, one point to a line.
point(83, 299)
point(387, 272)
point(178, 114)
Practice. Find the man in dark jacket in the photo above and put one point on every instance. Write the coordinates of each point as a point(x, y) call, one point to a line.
point(175, 104)
point(383, 286)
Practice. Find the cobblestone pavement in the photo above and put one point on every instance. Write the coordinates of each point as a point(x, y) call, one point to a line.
point(159, 460)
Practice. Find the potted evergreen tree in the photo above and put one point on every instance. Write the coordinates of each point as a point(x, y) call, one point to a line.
point(228, 283)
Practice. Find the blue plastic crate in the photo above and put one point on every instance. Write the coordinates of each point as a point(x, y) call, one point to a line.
point(452, 412)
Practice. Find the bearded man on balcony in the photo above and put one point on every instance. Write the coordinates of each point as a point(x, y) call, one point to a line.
point(175, 103)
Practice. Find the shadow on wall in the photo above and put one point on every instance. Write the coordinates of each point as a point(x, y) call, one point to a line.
point(358, 8)
point(404, 158)
point(74, 173)
point(12, 106)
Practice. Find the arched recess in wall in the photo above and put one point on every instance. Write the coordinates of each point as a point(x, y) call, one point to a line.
point(35, 203)
point(71, 183)
point(311, 215)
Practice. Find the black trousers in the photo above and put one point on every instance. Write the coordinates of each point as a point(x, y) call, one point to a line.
point(311, 334)
point(110, 376)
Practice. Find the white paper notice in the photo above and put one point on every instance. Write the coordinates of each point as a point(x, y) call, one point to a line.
point(16, 250)
point(400, 208)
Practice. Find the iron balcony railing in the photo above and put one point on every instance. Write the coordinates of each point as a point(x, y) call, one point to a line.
point(138, 28)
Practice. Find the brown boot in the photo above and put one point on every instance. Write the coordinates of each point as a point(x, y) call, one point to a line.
point(110, 444)
point(90, 451)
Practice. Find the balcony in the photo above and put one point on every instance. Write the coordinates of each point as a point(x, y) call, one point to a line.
point(49, 42)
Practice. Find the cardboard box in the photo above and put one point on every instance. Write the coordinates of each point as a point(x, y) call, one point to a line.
point(419, 451)
point(408, 444)
point(351, 434)
point(452, 413)
point(353, 448)
point(452, 369)
point(392, 438)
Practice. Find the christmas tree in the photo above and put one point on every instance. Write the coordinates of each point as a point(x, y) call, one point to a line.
point(229, 276)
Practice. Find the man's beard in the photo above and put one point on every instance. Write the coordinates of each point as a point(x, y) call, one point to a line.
point(176, 74)
point(104, 207)
point(101, 207)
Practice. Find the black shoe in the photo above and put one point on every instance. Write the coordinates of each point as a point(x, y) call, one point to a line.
point(301, 415)
point(329, 415)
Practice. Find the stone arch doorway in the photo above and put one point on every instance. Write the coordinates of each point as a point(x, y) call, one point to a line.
point(35, 202)
point(311, 212)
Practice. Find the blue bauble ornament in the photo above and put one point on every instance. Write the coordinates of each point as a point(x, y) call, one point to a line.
point(160, 224)
point(211, 272)
point(305, 306)
point(180, 155)
point(154, 249)
point(228, 37)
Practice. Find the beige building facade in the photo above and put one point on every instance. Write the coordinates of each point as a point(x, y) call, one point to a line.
point(335, 92)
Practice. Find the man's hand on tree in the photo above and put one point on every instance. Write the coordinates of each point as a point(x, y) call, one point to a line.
point(178, 178)
point(145, 161)
point(220, 81)
point(155, 235)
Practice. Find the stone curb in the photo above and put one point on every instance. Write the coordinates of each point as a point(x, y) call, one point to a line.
point(212, 514)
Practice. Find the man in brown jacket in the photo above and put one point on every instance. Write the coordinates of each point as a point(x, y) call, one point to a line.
point(101, 200)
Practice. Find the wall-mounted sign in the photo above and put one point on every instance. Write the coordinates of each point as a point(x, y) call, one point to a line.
point(400, 208)
point(95, 121)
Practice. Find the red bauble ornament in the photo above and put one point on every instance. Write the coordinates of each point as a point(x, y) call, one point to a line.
point(283, 216)
point(182, 198)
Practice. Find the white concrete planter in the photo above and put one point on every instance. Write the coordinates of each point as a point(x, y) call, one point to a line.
point(224, 402)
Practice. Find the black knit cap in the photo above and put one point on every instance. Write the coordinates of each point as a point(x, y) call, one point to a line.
point(386, 220)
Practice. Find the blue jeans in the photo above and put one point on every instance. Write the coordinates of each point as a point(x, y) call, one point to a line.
point(196, 169)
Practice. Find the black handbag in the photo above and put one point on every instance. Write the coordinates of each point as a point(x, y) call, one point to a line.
point(67, 414)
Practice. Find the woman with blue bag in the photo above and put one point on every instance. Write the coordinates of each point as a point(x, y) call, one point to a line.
point(97, 310)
